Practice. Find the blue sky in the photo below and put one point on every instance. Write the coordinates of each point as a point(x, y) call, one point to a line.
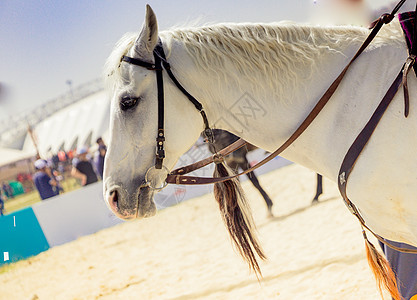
point(45, 43)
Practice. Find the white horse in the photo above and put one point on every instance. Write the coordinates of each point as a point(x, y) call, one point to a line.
point(259, 81)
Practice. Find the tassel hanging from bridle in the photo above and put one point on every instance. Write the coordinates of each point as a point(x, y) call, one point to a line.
point(383, 273)
point(237, 216)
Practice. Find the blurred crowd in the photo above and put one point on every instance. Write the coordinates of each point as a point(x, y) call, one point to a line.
point(82, 164)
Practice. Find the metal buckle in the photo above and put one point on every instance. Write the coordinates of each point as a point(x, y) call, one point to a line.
point(152, 173)
point(209, 135)
point(411, 59)
point(218, 158)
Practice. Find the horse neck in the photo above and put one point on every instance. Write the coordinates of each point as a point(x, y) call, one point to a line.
point(267, 114)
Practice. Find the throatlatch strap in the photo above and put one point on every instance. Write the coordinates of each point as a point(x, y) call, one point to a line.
point(159, 50)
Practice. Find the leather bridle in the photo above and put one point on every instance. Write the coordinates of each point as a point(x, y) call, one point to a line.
point(158, 66)
point(179, 176)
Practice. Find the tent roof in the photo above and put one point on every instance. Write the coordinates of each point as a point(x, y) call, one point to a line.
point(8, 156)
point(79, 124)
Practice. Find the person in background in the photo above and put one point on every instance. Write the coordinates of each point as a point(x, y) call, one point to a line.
point(43, 182)
point(58, 178)
point(70, 155)
point(55, 161)
point(61, 169)
point(83, 169)
point(2, 200)
point(62, 156)
point(101, 153)
point(8, 191)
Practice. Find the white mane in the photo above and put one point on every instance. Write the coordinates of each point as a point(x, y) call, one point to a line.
point(258, 52)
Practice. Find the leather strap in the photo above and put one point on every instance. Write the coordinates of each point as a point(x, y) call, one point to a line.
point(160, 60)
point(139, 62)
point(177, 176)
point(207, 131)
point(361, 141)
point(353, 152)
point(202, 163)
point(414, 40)
point(174, 176)
point(410, 63)
point(407, 67)
point(193, 100)
point(160, 139)
point(159, 51)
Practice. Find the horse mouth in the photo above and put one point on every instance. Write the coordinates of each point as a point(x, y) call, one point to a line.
point(146, 206)
point(130, 206)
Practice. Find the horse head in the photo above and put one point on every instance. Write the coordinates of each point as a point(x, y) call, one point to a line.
point(134, 125)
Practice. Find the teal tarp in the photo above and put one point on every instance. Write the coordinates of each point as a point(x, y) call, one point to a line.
point(17, 187)
point(21, 236)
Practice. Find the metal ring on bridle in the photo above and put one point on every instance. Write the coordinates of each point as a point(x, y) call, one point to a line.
point(149, 182)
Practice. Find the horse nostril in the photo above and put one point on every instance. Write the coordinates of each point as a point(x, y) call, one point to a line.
point(114, 200)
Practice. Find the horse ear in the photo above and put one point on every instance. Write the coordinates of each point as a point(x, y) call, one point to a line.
point(148, 37)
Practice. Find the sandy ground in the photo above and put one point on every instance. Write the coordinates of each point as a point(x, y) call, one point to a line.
point(314, 252)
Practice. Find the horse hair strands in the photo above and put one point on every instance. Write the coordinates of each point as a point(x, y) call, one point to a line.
point(381, 269)
point(258, 52)
point(237, 217)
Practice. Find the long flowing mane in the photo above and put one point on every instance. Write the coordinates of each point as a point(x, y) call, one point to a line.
point(258, 52)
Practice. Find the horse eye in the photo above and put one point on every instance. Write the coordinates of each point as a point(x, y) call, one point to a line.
point(128, 102)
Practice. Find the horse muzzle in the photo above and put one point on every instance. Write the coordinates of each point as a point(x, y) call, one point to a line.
point(128, 206)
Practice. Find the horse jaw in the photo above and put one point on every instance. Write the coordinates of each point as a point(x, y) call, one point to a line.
point(146, 204)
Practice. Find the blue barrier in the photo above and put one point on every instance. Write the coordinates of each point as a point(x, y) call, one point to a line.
point(66, 217)
point(21, 236)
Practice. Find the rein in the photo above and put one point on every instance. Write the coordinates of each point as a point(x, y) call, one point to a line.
point(178, 176)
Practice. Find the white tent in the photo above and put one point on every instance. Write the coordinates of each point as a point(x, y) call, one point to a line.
point(77, 125)
point(8, 156)
point(13, 162)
